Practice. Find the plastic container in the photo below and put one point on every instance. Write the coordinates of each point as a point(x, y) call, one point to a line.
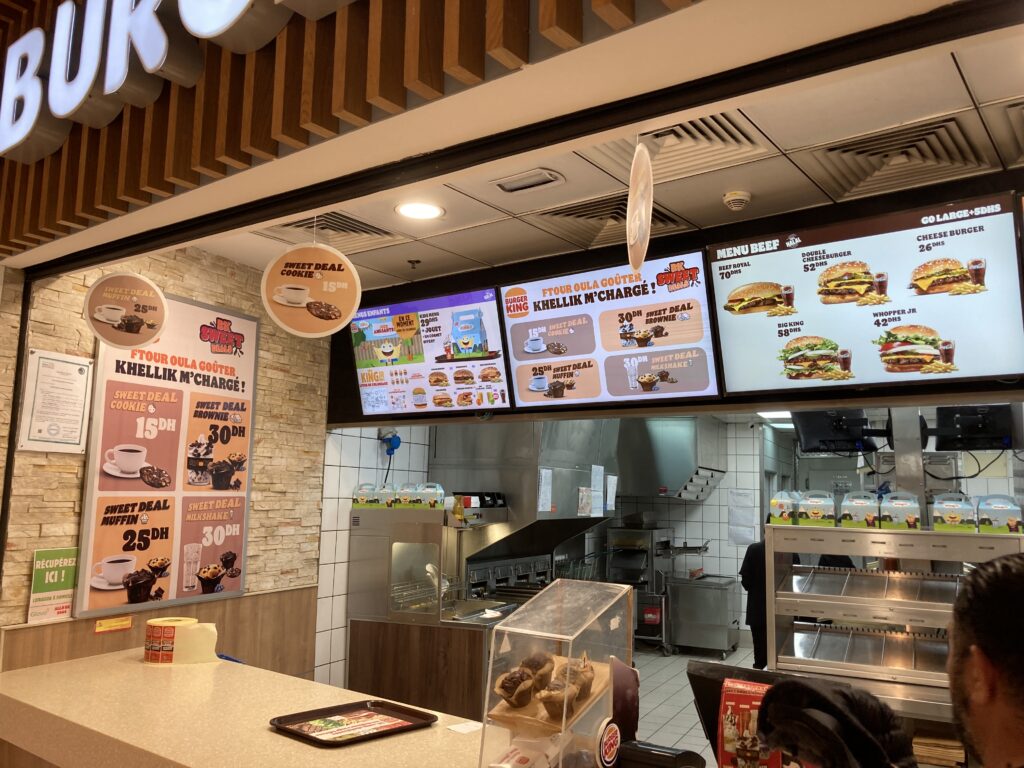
point(431, 494)
point(859, 510)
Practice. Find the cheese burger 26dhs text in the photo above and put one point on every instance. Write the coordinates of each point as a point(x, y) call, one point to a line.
point(845, 282)
point(908, 348)
point(938, 276)
point(754, 297)
point(809, 357)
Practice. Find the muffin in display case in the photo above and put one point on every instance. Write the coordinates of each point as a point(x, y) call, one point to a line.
point(550, 690)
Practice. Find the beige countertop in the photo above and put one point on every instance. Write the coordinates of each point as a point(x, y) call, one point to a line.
point(115, 710)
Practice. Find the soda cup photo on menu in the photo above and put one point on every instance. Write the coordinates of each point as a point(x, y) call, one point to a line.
point(946, 351)
point(845, 359)
point(880, 282)
point(787, 295)
point(976, 271)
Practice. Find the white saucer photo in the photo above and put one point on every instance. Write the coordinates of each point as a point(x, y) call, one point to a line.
point(97, 316)
point(537, 389)
point(529, 351)
point(285, 303)
point(98, 582)
point(112, 469)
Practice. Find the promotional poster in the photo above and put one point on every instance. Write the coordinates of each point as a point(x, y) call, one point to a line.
point(931, 294)
point(437, 354)
point(612, 335)
point(167, 484)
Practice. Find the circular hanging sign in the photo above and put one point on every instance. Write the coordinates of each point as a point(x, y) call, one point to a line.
point(639, 207)
point(125, 310)
point(311, 290)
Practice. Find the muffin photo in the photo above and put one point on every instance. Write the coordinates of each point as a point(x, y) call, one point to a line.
point(643, 338)
point(221, 473)
point(210, 577)
point(138, 585)
point(647, 381)
point(158, 566)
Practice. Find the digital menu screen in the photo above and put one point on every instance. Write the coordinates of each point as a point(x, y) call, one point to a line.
point(612, 336)
point(437, 354)
point(928, 295)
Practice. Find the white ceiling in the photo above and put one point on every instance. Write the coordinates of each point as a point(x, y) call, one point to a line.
point(698, 41)
point(906, 121)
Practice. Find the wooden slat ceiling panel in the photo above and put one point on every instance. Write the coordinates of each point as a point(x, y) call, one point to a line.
point(303, 85)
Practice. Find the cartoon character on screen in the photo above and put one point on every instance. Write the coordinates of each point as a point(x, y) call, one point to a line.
point(466, 344)
point(387, 354)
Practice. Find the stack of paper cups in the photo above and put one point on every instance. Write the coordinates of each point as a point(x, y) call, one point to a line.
point(179, 640)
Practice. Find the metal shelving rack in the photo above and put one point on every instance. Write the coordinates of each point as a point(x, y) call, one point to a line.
point(888, 628)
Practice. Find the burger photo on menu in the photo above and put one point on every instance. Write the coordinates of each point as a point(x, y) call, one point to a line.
point(845, 282)
point(754, 297)
point(915, 348)
point(939, 276)
point(809, 357)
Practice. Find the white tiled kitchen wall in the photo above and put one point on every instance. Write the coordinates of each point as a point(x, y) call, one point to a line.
point(695, 522)
point(353, 455)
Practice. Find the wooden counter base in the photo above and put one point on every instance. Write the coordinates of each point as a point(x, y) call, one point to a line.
point(437, 667)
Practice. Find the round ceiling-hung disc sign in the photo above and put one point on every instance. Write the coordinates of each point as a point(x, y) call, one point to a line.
point(311, 290)
point(125, 310)
point(640, 207)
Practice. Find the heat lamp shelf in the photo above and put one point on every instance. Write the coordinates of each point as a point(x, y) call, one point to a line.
point(910, 599)
point(915, 545)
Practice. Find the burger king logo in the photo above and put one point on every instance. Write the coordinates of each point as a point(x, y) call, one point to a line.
point(611, 740)
point(517, 303)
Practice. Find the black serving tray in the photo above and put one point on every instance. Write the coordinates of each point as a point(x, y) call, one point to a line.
point(356, 722)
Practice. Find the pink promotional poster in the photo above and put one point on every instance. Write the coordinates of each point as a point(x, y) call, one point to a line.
point(167, 483)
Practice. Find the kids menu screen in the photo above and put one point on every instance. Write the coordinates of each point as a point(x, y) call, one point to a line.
point(927, 295)
point(612, 335)
point(436, 354)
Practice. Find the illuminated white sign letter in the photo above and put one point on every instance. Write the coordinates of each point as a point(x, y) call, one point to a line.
point(27, 130)
point(241, 26)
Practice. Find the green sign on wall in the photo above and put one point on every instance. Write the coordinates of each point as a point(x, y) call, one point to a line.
point(53, 584)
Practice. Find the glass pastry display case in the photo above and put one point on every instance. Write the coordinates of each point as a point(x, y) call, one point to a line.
point(550, 685)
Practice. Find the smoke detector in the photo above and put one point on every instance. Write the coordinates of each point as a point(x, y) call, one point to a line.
point(736, 200)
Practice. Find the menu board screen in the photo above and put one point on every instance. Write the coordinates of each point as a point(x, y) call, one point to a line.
point(932, 294)
point(437, 354)
point(612, 335)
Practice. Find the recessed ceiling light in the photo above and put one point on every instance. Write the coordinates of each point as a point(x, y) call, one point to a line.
point(774, 414)
point(782, 426)
point(420, 211)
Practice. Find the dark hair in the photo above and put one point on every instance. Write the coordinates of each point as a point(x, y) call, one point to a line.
point(988, 613)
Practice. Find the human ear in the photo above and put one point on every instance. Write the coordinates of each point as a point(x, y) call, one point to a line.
point(981, 677)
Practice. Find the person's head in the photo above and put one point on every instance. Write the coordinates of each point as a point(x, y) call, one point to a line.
point(986, 654)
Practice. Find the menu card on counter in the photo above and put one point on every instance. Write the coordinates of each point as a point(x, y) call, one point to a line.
point(927, 295)
point(436, 354)
point(612, 335)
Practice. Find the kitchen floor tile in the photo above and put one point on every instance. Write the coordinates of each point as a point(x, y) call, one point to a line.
point(668, 716)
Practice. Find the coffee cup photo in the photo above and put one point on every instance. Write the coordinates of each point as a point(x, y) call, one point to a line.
point(539, 382)
point(292, 294)
point(127, 457)
point(110, 313)
point(114, 568)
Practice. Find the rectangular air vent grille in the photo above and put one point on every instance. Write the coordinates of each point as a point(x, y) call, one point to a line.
point(1006, 121)
point(338, 230)
point(595, 223)
point(687, 149)
point(906, 157)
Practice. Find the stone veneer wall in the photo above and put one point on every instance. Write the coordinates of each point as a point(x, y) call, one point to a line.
point(288, 452)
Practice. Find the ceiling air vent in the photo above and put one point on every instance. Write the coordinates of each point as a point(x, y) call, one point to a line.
point(600, 222)
point(1006, 121)
point(529, 181)
point(338, 230)
point(910, 156)
point(687, 149)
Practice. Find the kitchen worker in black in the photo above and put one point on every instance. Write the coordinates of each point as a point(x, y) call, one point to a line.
point(752, 576)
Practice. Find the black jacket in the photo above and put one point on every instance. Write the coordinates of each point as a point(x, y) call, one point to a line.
point(752, 576)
